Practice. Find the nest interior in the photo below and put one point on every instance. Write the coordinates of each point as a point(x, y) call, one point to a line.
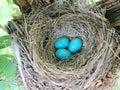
point(37, 31)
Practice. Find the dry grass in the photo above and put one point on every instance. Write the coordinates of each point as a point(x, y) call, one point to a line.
point(36, 34)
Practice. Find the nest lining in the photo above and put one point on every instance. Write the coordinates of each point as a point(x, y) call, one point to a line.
point(38, 32)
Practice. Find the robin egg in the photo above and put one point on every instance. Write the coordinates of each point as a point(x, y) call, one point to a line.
point(61, 43)
point(75, 45)
point(62, 54)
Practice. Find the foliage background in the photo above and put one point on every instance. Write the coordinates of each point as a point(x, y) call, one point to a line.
point(8, 78)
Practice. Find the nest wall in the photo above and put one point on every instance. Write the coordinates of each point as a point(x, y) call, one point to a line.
point(37, 32)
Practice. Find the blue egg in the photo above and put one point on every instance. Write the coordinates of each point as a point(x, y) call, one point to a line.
point(75, 45)
point(62, 54)
point(61, 43)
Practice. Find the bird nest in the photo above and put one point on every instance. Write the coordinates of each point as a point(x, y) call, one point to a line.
point(39, 29)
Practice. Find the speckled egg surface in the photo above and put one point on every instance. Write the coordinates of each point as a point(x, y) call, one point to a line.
point(75, 45)
point(62, 54)
point(61, 43)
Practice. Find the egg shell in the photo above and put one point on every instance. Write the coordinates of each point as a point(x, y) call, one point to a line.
point(61, 43)
point(75, 45)
point(62, 54)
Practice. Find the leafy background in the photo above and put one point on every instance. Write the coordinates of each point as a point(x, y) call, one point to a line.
point(8, 78)
point(8, 66)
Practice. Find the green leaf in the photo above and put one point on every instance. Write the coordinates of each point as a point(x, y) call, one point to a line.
point(3, 32)
point(5, 14)
point(7, 50)
point(4, 85)
point(15, 11)
point(7, 66)
point(17, 88)
point(2, 76)
point(10, 85)
point(4, 41)
point(10, 1)
point(8, 11)
point(15, 84)
point(116, 87)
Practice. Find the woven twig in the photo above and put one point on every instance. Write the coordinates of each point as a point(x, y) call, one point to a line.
point(39, 29)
